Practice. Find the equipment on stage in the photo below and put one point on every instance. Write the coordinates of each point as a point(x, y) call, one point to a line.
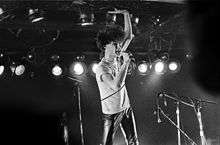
point(65, 128)
point(195, 103)
point(78, 94)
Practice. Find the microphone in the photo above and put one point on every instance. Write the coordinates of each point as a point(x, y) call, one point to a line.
point(160, 95)
point(165, 101)
point(158, 113)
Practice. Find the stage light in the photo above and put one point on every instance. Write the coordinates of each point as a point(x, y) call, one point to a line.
point(189, 56)
point(35, 15)
point(136, 20)
point(5, 14)
point(157, 19)
point(57, 70)
point(142, 67)
point(86, 20)
point(78, 68)
point(1, 11)
point(173, 66)
point(55, 57)
point(94, 67)
point(159, 67)
point(19, 70)
point(57, 67)
point(31, 55)
point(2, 68)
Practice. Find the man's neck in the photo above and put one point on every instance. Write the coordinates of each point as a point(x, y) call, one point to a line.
point(109, 59)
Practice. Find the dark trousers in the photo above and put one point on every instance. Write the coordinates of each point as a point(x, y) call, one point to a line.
point(126, 121)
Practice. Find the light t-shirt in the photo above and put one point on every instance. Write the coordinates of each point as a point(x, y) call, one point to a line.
point(117, 102)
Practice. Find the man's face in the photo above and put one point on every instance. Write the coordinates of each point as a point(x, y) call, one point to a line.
point(113, 47)
point(117, 48)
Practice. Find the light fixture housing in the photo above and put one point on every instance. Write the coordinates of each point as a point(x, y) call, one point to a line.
point(35, 15)
point(2, 69)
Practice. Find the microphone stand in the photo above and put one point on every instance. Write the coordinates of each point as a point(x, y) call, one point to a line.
point(178, 101)
point(172, 122)
point(197, 107)
point(79, 106)
point(178, 122)
point(199, 117)
point(65, 128)
point(179, 130)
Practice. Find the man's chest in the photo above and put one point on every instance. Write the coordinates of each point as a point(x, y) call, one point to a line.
point(115, 68)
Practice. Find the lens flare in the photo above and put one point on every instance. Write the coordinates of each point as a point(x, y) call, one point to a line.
point(19, 70)
point(173, 66)
point(2, 68)
point(57, 70)
point(142, 68)
point(94, 67)
point(78, 68)
point(159, 67)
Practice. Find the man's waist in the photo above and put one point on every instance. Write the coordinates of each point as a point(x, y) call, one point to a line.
point(114, 95)
point(113, 110)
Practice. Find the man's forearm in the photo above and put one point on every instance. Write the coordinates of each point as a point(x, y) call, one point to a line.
point(127, 26)
point(128, 31)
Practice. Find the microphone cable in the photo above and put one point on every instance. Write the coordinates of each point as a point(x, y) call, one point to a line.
point(113, 93)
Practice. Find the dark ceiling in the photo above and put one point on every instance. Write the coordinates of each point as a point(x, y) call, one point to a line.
point(17, 34)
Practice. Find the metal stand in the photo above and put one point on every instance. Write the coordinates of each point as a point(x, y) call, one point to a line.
point(65, 128)
point(201, 132)
point(80, 114)
point(173, 123)
point(79, 106)
point(178, 121)
point(177, 125)
point(197, 107)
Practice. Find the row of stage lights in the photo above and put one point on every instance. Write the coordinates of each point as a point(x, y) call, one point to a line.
point(158, 67)
point(35, 15)
point(79, 68)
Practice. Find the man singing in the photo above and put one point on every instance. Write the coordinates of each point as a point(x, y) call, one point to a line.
point(110, 76)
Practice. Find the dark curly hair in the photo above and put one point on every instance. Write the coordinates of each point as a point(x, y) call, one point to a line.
point(111, 33)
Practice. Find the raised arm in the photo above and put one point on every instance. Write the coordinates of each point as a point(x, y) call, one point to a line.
point(128, 31)
point(127, 28)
